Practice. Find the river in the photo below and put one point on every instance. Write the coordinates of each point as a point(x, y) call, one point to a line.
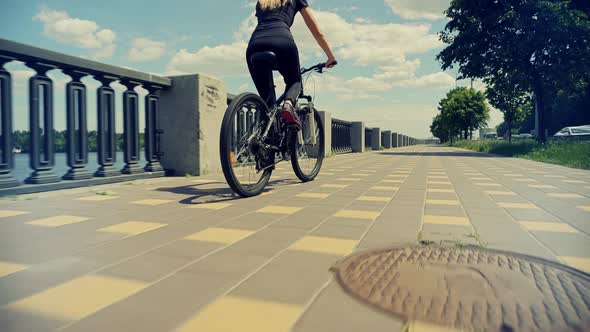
point(22, 168)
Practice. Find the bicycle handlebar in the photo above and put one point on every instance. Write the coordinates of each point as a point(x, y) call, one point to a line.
point(319, 67)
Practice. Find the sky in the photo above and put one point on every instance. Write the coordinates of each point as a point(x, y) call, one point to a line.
point(387, 75)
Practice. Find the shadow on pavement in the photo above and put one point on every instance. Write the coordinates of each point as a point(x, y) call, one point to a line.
point(216, 191)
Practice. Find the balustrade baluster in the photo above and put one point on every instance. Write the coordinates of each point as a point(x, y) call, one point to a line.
point(106, 138)
point(131, 125)
point(77, 134)
point(41, 105)
point(151, 132)
point(6, 145)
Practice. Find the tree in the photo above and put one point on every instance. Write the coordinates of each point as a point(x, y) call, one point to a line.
point(511, 100)
point(539, 44)
point(462, 111)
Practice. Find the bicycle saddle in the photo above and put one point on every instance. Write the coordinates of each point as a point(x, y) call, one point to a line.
point(267, 59)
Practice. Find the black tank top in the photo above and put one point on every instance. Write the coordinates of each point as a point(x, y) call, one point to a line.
point(277, 22)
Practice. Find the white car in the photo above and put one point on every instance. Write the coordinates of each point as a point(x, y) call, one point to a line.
point(574, 131)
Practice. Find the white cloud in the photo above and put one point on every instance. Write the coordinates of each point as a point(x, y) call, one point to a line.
point(415, 10)
point(358, 43)
point(77, 32)
point(144, 49)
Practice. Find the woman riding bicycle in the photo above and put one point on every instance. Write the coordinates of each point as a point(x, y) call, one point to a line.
point(275, 18)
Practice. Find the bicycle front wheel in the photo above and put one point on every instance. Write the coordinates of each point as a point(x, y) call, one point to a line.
point(307, 145)
point(243, 123)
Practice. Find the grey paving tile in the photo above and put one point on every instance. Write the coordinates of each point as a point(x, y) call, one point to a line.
point(147, 268)
point(566, 244)
point(325, 314)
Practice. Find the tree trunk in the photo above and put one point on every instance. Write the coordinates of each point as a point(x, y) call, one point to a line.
point(509, 123)
point(540, 112)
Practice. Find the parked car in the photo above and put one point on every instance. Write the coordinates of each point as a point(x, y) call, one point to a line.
point(573, 131)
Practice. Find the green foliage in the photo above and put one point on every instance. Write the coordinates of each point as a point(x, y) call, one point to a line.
point(572, 154)
point(512, 101)
point(540, 45)
point(462, 111)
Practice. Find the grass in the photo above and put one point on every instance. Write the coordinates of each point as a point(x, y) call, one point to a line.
point(571, 154)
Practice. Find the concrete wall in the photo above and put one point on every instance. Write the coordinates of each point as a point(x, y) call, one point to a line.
point(386, 142)
point(357, 136)
point(376, 139)
point(327, 120)
point(191, 115)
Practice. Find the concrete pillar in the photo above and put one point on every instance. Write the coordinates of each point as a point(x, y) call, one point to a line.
point(404, 140)
point(191, 114)
point(386, 141)
point(394, 140)
point(357, 136)
point(376, 139)
point(327, 122)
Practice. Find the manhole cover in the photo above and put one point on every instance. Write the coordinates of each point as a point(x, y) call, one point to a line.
point(469, 288)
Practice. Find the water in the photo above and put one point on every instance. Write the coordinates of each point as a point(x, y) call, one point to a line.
point(22, 168)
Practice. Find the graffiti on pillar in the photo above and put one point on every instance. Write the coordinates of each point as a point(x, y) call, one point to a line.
point(212, 97)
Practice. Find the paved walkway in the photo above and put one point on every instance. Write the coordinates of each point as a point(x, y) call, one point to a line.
point(184, 254)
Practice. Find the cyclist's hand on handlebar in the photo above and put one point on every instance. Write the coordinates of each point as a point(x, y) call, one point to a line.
point(331, 62)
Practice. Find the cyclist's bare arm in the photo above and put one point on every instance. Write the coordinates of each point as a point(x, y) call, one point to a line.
point(317, 34)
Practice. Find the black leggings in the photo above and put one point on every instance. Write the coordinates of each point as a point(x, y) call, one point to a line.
point(288, 66)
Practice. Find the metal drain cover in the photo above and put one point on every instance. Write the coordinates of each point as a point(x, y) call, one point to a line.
point(469, 288)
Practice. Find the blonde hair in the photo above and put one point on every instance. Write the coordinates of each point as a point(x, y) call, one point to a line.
point(272, 4)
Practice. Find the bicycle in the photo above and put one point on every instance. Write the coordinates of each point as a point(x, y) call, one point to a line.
point(253, 138)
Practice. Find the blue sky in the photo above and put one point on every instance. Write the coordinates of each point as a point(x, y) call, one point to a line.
point(387, 76)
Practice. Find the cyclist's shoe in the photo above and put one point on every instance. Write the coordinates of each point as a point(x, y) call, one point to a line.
point(289, 117)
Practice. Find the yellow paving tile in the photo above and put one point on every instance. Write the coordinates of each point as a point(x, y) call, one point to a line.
point(220, 235)
point(327, 173)
point(152, 202)
point(584, 208)
point(397, 176)
point(374, 199)
point(385, 188)
point(573, 181)
point(79, 297)
point(542, 186)
point(210, 206)
point(277, 209)
point(439, 182)
point(435, 190)
point(556, 227)
point(325, 245)
point(579, 263)
point(132, 227)
point(201, 181)
point(553, 176)
point(517, 205)
point(11, 213)
point(313, 195)
point(418, 326)
point(513, 175)
point(357, 214)
point(564, 195)
point(357, 174)
point(481, 179)
point(335, 186)
point(348, 179)
point(97, 198)
point(7, 268)
point(442, 202)
point(438, 177)
point(232, 313)
point(526, 180)
point(500, 193)
point(392, 181)
point(57, 221)
point(487, 184)
point(446, 220)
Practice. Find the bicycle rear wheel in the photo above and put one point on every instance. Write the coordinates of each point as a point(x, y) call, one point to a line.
point(244, 121)
point(307, 151)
